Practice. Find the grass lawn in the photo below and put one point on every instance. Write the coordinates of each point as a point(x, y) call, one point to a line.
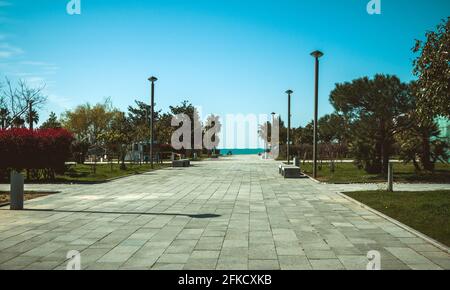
point(4, 195)
point(349, 173)
point(426, 212)
point(84, 173)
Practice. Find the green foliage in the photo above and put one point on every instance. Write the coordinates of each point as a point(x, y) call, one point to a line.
point(372, 106)
point(418, 137)
point(88, 122)
point(52, 122)
point(118, 135)
point(432, 67)
point(163, 128)
point(304, 135)
point(34, 117)
point(140, 118)
point(332, 128)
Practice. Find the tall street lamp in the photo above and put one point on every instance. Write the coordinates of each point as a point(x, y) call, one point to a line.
point(316, 54)
point(152, 101)
point(271, 132)
point(289, 93)
point(273, 124)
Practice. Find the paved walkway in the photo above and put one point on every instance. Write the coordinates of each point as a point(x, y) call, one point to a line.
point(236, 213)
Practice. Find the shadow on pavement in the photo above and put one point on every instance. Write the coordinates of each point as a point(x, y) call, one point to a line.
point(195, 216)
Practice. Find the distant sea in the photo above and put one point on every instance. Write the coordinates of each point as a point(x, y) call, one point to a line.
point(242, 151)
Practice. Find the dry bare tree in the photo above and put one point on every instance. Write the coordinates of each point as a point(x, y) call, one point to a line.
point(16, 101)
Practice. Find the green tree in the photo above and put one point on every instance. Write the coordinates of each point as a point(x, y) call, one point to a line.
point(432, 67)
point(88, 122)
point(140, 118)
point(417, 137)
point(332, 129)
point(34, 117)
point(372, 106)
point(52, 122)
point(118, 137)
point(163, 128)
point(304, 135)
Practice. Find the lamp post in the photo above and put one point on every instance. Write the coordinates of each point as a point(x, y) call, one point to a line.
point(316, 54)
point(288, 153)
point(273, 124)
point(152, 101)
point(271, 133)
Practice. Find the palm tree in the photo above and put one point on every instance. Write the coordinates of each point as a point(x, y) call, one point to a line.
point(34, 116)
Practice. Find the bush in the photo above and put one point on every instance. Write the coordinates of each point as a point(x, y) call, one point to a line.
point(43, 151)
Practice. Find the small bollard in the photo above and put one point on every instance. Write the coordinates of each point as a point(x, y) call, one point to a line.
point(391, 177)
point(195, 156)
point(296, 162)
point(17, 189)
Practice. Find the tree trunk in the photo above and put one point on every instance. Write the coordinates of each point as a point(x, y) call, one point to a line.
point(425, 155)
point(416, 165)
point(122, 165)
point(385, 157)
point(384, 146)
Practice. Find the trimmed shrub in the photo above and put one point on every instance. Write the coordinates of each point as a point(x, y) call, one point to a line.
point(44, 150)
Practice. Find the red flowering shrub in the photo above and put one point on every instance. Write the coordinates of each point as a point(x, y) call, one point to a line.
point(46, 149)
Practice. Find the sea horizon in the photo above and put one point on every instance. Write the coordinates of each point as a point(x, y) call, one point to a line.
point(236, 151)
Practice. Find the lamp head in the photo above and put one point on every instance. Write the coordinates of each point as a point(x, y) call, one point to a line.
point(152, 79)
point(317, 54)
point(289, 92)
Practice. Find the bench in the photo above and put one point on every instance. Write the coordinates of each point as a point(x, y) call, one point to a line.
point(181, 163)
point(282, 166)
point(289, 171)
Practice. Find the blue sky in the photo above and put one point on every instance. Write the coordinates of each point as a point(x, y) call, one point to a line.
point(234, 56)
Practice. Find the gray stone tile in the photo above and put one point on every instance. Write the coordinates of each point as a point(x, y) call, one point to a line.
point(328, 264)
point(294, 263)
point(263, 265)
point(205, 254)
point(320, 255)
point(200, 264)
point(263, 222)
point(173, 258)
point(165, 266)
